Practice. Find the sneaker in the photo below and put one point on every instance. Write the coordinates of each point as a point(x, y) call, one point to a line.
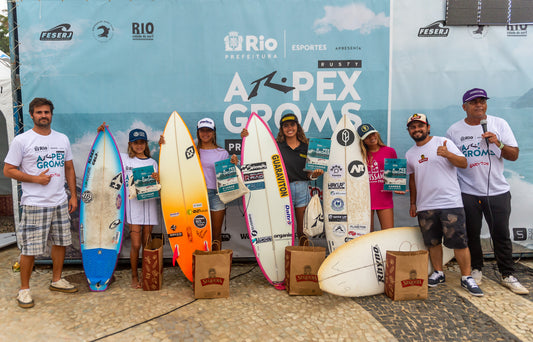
point(435, 279)
point(24, 299)
point(470, 285)
point(477, 275)
point(63, 286)
point(514, 285)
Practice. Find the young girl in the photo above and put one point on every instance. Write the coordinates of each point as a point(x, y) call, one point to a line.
point(141, 216)
point(210, 153)
point(293, 145)
point(375, 152)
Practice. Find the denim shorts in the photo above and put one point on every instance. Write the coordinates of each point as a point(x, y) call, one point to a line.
point(300, 193)
point(215, 204)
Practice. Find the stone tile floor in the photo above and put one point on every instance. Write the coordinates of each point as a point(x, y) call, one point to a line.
point(255, 311)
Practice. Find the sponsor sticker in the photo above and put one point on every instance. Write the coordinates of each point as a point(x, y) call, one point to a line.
point(200, 221)
point(87, 196)
point(339, 230)
point(337, 204)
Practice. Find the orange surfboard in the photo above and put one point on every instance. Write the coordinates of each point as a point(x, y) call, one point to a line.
point(184, 198)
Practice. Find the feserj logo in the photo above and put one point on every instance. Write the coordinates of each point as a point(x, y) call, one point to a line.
point(435, 29)
point(58, 33)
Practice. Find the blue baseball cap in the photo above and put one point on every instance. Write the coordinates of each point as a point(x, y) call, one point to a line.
point(365, 130)
point(138, 134)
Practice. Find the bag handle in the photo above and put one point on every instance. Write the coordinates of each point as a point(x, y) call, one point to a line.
point(307, 242)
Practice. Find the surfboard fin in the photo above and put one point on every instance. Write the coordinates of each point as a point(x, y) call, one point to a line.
point(206, 247)
point(176, 254)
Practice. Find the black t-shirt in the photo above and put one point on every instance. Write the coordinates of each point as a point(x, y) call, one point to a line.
point(294, 161)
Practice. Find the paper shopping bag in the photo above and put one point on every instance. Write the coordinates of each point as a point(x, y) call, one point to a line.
point(211, 272)
point(301, 268)
point(406, 275)
point(152, 265)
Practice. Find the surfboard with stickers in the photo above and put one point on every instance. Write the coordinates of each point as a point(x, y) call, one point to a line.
point(102, 210)
point(346, 194)
point(357, 268)
point(268, 210)
point(184, 199)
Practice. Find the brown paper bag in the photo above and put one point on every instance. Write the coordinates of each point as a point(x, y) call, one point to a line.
point(152, 265)
point(406, 275)
point(301, 268)
point(211, 272)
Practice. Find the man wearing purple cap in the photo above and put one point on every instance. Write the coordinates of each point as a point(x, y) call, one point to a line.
point(436, 201)
point(486, 141)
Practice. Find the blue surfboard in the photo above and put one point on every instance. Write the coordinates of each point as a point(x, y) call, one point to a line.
point(102, 210)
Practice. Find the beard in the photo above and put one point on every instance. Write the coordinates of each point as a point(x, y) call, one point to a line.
point(421, 137)
point(43, 123)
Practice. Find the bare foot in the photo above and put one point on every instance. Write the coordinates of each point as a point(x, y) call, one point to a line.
point(135, 284)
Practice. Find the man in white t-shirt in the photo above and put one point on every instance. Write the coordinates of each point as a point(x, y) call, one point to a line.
point(41, 159)
point(436, 199)
point(486, 141)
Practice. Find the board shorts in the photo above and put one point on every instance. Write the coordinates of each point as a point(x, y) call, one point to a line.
point(37, 223)
point(300, 193)
point(215, 204)
point(449, 224)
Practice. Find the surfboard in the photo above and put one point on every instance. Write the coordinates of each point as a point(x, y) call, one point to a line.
point(357, 268)
point(102, 209)
point(346, 194)
point(184, 200)
point(268, 208)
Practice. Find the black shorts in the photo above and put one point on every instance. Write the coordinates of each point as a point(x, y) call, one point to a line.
point(449, 224)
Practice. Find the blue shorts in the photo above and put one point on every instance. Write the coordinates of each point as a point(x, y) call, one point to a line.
point(300, 193)
point(215, 204)
point(37, 223)
point(447, 225)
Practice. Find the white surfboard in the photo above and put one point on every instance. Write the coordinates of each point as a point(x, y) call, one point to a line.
point(346, 189)
point(269, 213)
point(357, 268)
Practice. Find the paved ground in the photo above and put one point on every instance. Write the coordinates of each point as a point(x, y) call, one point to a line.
point(255, 311)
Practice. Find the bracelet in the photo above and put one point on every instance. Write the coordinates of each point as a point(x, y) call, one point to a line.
point(501, 146)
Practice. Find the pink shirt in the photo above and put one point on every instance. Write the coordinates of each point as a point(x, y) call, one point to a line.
point(379, 199)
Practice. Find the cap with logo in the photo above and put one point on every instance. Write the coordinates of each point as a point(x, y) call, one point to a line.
point(418, 117)
point(365, 130)
point(474, 94)
point(138, 134)
point(206, 123)
point(288, 117)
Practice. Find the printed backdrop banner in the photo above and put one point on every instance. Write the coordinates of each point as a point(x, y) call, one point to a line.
point(132, 63)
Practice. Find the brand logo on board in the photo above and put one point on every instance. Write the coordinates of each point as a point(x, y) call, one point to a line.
point(345, 137)
point(280, 176)
point(190, 152)
point(356, 168)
